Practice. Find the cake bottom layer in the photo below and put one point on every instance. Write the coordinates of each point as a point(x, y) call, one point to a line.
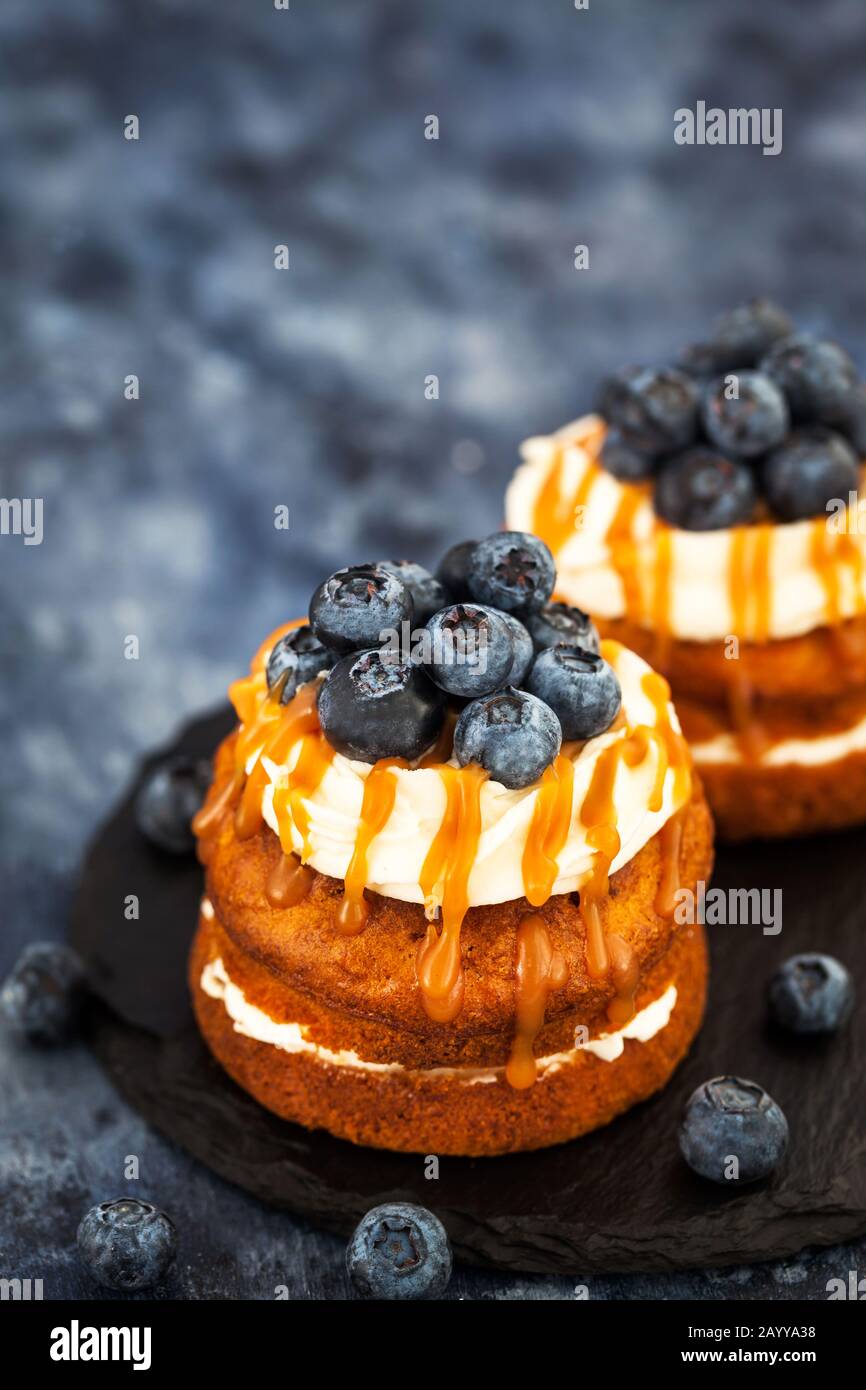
point(450, 1110)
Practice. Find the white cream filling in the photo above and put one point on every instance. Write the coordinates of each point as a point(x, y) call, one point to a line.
point(291, 1037)
point(800, 752)
point(699, 606)
point(397, 854)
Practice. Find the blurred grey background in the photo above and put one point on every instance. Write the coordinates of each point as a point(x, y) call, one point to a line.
point(305, 388)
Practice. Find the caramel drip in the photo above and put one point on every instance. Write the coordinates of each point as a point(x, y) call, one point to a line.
point(207, 821)
point(539, 971)
point(380, 790)
point(825, 555)
point(670, 840)
point(749, 592)
point(289, 882)
point(554, 517)
point(612, 955)
point(446, 871)
point(661, 598)
point(625, 974)
point(623, 550)
point(760, 580)
point(298, 718)
point(548, 831)
point(313, 762)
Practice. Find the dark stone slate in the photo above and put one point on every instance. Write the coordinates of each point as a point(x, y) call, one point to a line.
point(619, 1199)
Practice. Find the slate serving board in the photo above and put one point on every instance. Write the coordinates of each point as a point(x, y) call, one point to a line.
point(617, 1200)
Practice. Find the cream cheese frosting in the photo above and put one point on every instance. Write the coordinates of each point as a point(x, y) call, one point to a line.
point(397, 853)
point(253, 1023)
point(698, 602)
point(800, 752)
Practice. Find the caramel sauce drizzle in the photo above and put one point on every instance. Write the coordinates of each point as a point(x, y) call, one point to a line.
point(289, 882)
point(554, 516)
point(446, 871)
point(380, 790)
point(623, 549)
point(548, 831)
point(540, 970)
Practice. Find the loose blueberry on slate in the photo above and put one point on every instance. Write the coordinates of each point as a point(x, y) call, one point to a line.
point(127, 1245)
point(702, 491)
point(728, 1117)
point(620, 456)
point(656, 411)
point(511, 734)
point(852, 420)
point(579, 686)
point(740, 338)
point(512, 570)
point(471, 649)
point(399, 1251)
point(428, 593)
point(750, 423)
point(524, 651)
point(353, 607)
point(815, 375)
point(560, 622)
point(168, 799)
point(373, 705)
point(453, 569)
point(41, 999)
point(811, 468)
point(298, 657)
point(811, 993)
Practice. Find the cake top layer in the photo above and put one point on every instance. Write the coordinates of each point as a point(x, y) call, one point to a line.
point(439, 834)
point(616, 557)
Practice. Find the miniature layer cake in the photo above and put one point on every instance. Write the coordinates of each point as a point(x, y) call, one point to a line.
point(412, 955)
point(759, 622)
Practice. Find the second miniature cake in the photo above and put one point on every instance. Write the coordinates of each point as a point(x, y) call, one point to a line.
point(440, 890)
point(709, 518)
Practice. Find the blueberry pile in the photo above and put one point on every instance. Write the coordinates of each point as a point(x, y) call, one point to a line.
point(758, 421)
point(398, 646)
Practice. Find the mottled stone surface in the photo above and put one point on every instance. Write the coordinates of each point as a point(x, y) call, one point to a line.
point(306, 388)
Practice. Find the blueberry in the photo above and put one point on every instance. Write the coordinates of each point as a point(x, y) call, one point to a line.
point(523, 650)
point(399, 1251)
point(815, 375)
point(702, 491)
point(512, 570)
point(560, 622)
point(811, 993)
point(852, 419)
point(512, 735)
point(740, 339)
point(452, 570)
point(751, 422)
point(355, 606)
point(579, 686)
point(730, 1118)
point(812, 467)
point(428, 594)
point(657, 411)
point(295, 659)
point(621, 458)
point(41, 999)
point(471, 649)
point(372, 705)
point(167, 800)
point(127, 1244)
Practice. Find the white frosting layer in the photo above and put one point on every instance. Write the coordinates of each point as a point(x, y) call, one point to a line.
point(802, 752)
point(699, 606)
point(397, 853)
point(292, 1037)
